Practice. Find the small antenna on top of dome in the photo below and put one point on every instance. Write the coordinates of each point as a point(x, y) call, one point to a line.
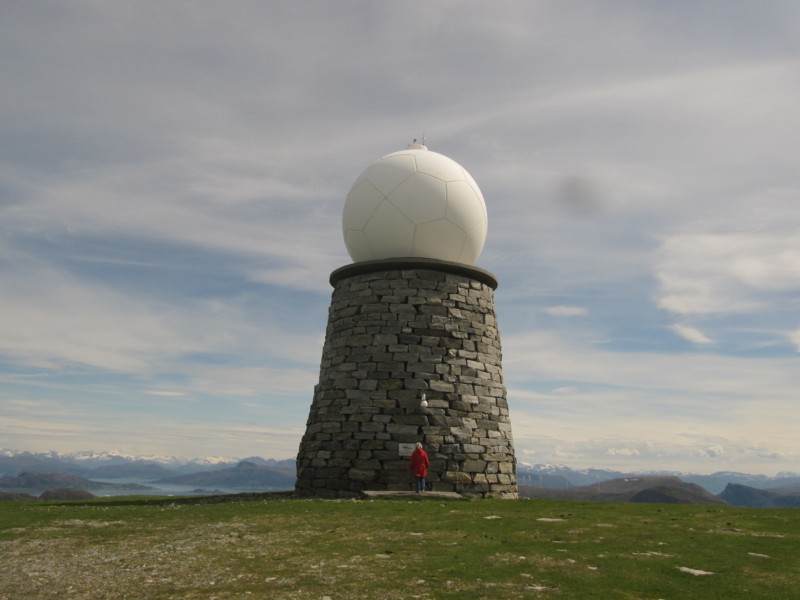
point(417, 145)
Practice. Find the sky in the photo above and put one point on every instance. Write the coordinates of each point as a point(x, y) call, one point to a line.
point(172, 178)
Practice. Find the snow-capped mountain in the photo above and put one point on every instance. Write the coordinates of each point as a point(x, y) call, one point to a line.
point(115, 464)
point(13, 462)
point(561, 477)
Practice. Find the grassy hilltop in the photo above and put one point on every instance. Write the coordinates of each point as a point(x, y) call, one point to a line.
point(257, 546)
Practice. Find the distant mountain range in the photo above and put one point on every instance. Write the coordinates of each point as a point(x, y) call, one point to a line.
point(246, 475)
point(724, 487)
point(664, 490)
point(742, 495)
point(33, 473)
point(88, 460)
point(562, 477)
point(44, 481)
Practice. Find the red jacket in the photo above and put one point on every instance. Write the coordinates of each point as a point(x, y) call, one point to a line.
point(419, 463)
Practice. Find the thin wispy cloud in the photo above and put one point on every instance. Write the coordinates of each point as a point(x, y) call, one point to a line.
point(794, 336)
point(691, 334)
point(566, 311)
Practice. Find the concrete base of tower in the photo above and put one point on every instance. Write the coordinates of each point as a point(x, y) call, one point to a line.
point(397, 330)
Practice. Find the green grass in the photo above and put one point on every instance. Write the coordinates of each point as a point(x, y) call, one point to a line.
point(433, 549)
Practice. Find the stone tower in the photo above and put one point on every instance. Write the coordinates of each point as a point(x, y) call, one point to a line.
point(412, 352)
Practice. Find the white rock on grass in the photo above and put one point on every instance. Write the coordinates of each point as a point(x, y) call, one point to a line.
point(695, 572)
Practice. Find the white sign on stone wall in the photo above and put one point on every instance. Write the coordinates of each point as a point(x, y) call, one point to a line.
point(405, 449)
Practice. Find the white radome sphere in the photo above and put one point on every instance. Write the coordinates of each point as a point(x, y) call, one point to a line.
point(415, 204)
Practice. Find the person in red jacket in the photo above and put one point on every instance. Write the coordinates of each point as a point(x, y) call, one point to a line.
point(419, 466)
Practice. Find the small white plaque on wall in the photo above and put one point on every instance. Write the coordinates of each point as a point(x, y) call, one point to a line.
point(405, 449)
